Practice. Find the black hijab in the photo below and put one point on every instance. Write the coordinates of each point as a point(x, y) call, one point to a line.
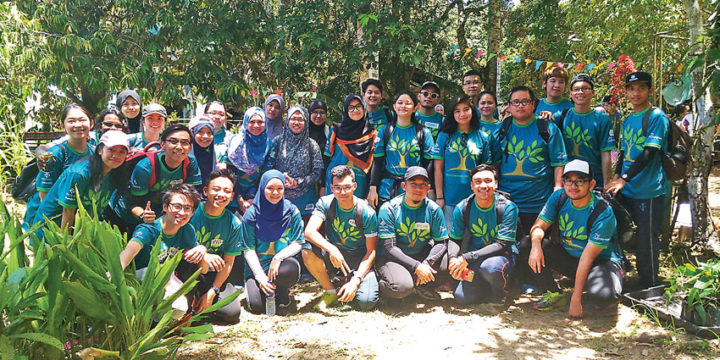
point(317, 132)
point(350, 129)
point(356, 139)
point(134, 123)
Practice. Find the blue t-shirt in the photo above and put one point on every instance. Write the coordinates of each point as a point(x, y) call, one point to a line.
point(484, 229)
point(492, 130)
point(266, 250)
point(219, 234)
point(166, 179)
point(63, 157)
point(401, 152)
point(572, 223)
point(339, 158)
point(431, 122)
point(413, 227)
point(63, 194)
point(378, 117)
point(221, 146)
point(343, 231)
point(147, 234)
point(137, 140)
point(526, 171)
point(461, 152)
point(651, 181)
point(587, 136)
point(555, 108)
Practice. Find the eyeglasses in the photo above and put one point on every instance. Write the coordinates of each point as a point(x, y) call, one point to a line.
point(352, 108)
point(476, 82)
point(111, 124)
point(177, 207)
point(319, 113)
point(582, 89)
point(429, 94)
point(175, 141)
point(341, 188)
point(577, 183)
point(523, 102)
point(217, 113)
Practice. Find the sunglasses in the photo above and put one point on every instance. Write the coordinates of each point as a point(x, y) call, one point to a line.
point(429, 94)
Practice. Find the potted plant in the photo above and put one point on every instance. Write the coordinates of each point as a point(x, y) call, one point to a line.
point(699, 288)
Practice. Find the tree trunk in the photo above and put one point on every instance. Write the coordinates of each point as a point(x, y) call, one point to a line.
point(494, 30)
point(702, 144)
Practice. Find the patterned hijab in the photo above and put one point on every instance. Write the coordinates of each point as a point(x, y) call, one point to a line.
point(247, 151)
point(356, 139)
point(294, 152)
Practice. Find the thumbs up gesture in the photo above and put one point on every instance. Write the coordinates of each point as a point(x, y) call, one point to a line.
point(148, 216)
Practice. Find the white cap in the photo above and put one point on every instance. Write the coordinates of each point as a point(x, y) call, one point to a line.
point(579, 167)
point(114, 138)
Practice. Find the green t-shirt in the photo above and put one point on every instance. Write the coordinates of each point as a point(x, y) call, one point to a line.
point(651, 181)
point(484, 228)
point(221, 235)
point(344, 233)
point(401, 152)
point(412, 227)
point(587, 136)
point(431, 122)
point(147, 234)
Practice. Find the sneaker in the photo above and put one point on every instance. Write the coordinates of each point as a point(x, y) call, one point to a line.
point(326, 301)
point(551, 300)
point(427, 293)
point(529, 289)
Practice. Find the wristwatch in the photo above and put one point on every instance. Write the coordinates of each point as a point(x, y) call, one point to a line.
point(215, 288)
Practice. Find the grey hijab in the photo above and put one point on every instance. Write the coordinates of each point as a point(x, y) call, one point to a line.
point(296, 155)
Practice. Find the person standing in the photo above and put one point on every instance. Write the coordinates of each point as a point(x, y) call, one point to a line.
point(472, 85)
point(555, 80)
point(274, 108)
point(429, 97)
point(153, 121)
point(129, 103)
point(216, 112)
point(372, 92)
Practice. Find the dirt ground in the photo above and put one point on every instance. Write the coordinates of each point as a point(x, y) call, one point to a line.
point(420, 330)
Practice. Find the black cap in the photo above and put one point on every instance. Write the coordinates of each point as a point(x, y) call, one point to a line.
point(316, 104)
point(430, 83)
point(584, 78)
point(414, 171)
point(639, 76)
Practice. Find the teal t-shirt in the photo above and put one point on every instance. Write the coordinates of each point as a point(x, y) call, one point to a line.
point(344, 233)
point(337, 157)
point(378, 117)
point(147, 234)
point(431, 122)
point(555, 108)
point(401, 152)
point(651, 181)
point(572, 224)
point(526, 169)
point(63, 157)
point(587, 136)
point(461, 152)
point(484, 228)
point(492, 129)
point(219, 234)
point(266, 250)
point(412, 227)
point(221, 146)
point(137, 140)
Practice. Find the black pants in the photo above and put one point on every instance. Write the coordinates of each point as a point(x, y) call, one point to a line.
point(522, 272)
point(648, 215)
point(396, 281)
point(288, 275)
point(604, 281)
point(229, 313)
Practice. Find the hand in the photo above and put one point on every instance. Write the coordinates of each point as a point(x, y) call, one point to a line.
point(265, 285)
point(214, 262)
point(424, 274)
point(321, 191)
point(148, 216)
point(536, 259)
point(456, 266)
point(338, 261)
point(576, 309)
point(44, 160)
point(274, 268)
point(347, 292)
point(195, 254)
point(441, 202)
point(290, 183)
point(245, 204)
point(206, 301)
point(372, 197)
point(614, 186)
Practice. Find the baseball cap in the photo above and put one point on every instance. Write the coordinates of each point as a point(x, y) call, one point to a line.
point(577, 166)
point(639, 76)
point(430, 83)
point(584, 78)
point(154, 108)
point(114, 138)
point(414, 171)
point(199, 122)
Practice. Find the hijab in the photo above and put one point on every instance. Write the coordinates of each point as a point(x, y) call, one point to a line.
point(269, 220)
point(317, 132)
point(205, 156)
point(247, 151)
point(294, 155)
point(356, 139)
point(134, 124)
point(274, 126)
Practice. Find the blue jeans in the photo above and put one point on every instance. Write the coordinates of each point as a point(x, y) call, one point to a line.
point(488, 285)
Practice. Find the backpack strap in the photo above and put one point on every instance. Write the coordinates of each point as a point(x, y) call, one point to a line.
point(503, 133)
point(358, 214)
point(466, 219)
point(330, 216)
point(500, 209)
point(420, 137)
point(387, 132)
point(645, 120)
point(543, 129)
point(599, 208)
point(154, 159)
point(561, 120)
point(389, 115)
point(185, 165)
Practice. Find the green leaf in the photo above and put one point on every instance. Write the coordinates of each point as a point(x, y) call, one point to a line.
point(40, 337)
point(88, 302)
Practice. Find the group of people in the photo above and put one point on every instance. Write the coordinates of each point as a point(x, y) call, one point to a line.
point(384, 203)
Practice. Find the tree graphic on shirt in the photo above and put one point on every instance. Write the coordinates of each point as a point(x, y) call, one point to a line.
point(344, 230)
point(520, 152)
point(479, 230)
point(632, 139)
point(565, 226)
point(463, 152)
point(407, 228)
point(575, 133)
point(403, 149)
point(282, 239)
point(203, 236)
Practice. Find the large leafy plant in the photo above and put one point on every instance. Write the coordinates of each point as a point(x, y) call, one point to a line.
point(699, 285)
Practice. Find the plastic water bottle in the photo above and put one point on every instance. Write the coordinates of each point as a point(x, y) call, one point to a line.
point(270, 305)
